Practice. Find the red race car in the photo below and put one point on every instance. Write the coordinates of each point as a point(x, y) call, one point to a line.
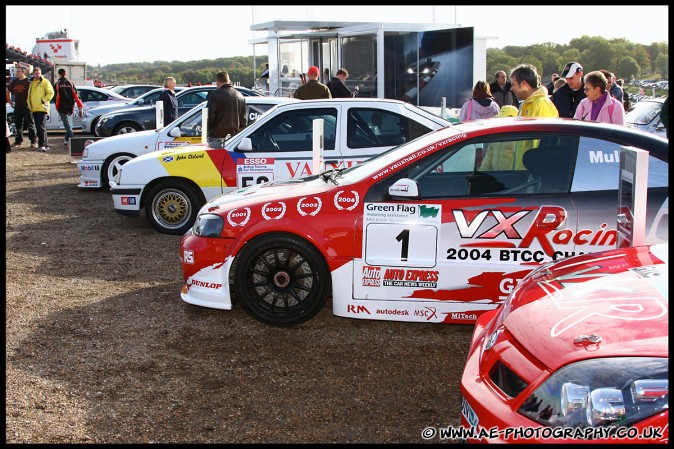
point(439, 229)
point(578, 353)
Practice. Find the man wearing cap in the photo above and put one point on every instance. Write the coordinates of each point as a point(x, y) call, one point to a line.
point(567, 98)
point(66, 97)
point(312, 89)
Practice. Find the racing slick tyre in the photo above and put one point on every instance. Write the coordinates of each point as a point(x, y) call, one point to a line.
point(172, 206)
point(126, 128)
point(281, 280)
point(112, 165)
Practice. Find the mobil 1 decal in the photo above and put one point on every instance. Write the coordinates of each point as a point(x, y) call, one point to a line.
point(402, 234)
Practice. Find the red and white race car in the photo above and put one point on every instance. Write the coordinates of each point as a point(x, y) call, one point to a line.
point(426, 232)
point(578, 353)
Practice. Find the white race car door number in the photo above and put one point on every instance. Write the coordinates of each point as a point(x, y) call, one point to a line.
point(401, 235)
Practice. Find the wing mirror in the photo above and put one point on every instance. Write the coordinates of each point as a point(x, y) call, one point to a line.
point(141, 101)
point(245, 145)
point(404, 188)
point(175, 132)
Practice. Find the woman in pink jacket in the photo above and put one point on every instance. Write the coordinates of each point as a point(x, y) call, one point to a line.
point(599, 105)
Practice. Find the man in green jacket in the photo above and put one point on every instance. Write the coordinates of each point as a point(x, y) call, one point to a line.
point(40, 93)
point(312, 89)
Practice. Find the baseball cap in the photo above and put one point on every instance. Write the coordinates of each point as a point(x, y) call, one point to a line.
point(571, 69)
point(313, 71)
point(507, 111)
point(62, 71)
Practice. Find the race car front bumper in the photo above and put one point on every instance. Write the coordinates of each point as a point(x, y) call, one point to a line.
point(90, 174)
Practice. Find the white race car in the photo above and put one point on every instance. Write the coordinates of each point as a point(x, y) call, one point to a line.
point(101, 159)
point(173, 185)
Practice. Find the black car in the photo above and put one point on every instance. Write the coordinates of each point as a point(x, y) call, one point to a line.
point(145, 118)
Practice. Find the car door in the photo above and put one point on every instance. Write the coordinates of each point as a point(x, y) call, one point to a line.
point(282, 147)
point(90, 98)
point(595, 189)
point(473, 233)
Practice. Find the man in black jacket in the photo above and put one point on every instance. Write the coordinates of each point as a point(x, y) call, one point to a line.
point(226, 111)
point(337, 85)
point(567, 98)
point(66, 97)
point(500, 89)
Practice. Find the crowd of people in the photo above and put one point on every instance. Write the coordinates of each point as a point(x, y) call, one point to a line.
point(596, 96)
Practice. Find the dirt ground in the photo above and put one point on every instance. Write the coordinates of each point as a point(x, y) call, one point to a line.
point(101, 349)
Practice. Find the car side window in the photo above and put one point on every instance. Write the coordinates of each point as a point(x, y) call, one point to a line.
point(190, 100)
point(254, 111)
point(192, 126)
point(96, 96)
point(598, 165)
point(517, 165)
point(293, 131)
point(376, 128)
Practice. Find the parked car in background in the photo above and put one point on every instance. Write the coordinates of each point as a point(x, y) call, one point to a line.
point(91, 116)
point(90, 96)
point(415, 234)
point(101, 159)
point(173, 185)
point(145, 118)
point(133, 90)
point(581, 346)
point(645, 115)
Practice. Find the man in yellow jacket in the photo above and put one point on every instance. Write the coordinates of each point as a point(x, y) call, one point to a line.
point(40, 93)
point(526, 84)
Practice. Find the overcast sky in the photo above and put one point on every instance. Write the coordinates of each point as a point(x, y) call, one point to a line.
point(126, 33)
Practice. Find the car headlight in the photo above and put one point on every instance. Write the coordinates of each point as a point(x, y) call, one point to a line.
point(208, 225)
point(601, 392)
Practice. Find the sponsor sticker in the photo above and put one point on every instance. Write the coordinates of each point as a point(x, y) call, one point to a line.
point(346, 200)
point(371, 276)
point(309, 206)
point(274, 211)
point(128, 201)
point(239, 216)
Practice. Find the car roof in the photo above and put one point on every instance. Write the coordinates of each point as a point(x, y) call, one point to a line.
point(618, 133)
point(105, 91)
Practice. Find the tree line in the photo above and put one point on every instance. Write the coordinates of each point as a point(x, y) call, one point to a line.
point(620, 56)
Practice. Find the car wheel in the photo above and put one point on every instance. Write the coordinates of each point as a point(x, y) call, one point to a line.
point(172, 206)
point(281, 280)
point(94, 122)
point(112, 165)
point(126, 128)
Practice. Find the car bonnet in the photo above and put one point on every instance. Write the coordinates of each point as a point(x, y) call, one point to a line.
point(620, 296)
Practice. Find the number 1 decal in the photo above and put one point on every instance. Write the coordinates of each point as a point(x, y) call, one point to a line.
point(405, 237)
point(417, 245)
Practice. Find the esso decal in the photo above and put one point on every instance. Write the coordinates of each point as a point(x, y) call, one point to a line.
point(238, 217)
point(273, 211)
point(346, 201)
point(257, 161)
point(309, 207)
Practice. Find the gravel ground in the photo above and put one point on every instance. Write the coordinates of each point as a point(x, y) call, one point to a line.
point(100, 348)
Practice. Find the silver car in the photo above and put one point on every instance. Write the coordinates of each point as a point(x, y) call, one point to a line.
point(645, 115)
point(91, 116)
point(90, 96)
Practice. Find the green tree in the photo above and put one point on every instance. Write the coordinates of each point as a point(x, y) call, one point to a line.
point(627, 68)
point(662, 64)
